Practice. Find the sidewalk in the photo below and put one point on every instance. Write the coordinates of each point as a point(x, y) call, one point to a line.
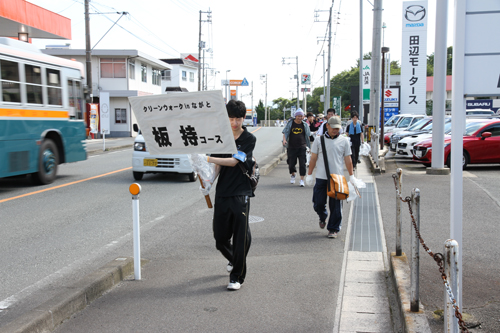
point(95, 146)
point(298, 280)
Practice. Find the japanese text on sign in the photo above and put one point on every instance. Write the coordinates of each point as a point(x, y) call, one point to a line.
point(184, 123)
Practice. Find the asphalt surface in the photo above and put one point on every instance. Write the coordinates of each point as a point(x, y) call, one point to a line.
point(481, 208)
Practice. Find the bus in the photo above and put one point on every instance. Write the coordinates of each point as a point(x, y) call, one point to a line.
point(41, 112)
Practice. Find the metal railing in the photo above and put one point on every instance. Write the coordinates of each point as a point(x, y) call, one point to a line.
point(447, 263)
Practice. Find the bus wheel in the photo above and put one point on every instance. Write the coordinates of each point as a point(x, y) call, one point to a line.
point(48, 160)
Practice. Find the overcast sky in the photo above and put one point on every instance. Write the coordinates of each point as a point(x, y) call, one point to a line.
point(249, 38)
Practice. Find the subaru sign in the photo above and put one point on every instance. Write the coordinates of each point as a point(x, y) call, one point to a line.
point(479, 104)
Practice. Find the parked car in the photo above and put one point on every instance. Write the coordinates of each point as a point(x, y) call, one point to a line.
point(395, 120)
point(143, 162)
point(481, 144)
point(479, 112)
point(406, 144)
point(417, 128)
point(403, 123)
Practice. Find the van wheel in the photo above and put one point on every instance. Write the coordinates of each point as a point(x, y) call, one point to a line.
point(48, 160)
point(192, 176)
point(138, 175)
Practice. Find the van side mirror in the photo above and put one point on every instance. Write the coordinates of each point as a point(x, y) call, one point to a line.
point(135, 127)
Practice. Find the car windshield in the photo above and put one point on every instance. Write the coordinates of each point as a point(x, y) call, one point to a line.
point(405, 122)
point(392, 121)
point(477, 113)
point(418, 125)
point(447, 127)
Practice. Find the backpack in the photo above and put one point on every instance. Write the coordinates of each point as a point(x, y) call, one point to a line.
point(254, 177)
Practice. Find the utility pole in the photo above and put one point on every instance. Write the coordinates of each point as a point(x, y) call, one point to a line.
point(360, 90)
point(326, 103)
point(376, 74)
point(200, 44)
point(264, 77)
point(290, 63)
point(88, 51)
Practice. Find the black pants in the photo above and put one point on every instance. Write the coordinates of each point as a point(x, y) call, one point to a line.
point(231, 220)
point(293, 154)
point(355, 154)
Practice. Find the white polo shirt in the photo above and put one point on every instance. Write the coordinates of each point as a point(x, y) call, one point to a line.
point(336, 149)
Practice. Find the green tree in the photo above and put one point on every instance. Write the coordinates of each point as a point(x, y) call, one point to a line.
point(260, 111)
point(449, 62)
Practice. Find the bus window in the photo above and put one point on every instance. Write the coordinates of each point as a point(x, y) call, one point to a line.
point(79, 100)
point(54, 90)
point(34, 84)
point(11, 89)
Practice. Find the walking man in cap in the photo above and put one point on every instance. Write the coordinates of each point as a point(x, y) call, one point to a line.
point(338, 152)
point(296, 138)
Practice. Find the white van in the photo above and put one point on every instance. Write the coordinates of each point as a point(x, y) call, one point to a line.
point(143, 162)
point(248, 121)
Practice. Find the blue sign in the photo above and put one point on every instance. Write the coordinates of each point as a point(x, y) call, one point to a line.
point(389, 112)
point(244, 83)
point(479, 104)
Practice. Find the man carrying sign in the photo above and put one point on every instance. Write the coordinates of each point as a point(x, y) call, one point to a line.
point(232, 197)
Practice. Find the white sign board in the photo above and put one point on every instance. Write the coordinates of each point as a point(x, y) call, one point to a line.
point(391, 95)
point(367, 64)
point(105, 113)
point(184, 123)
point(414, 57)
point(482, 48)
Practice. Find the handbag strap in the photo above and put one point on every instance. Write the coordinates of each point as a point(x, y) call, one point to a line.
point(325, 159)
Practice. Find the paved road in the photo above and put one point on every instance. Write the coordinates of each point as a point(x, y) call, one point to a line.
point(481, 208)
point(54, 234)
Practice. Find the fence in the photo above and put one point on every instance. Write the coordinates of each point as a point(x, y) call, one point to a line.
point(447, 263)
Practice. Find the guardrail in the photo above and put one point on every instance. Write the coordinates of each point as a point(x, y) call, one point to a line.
point(447, 263)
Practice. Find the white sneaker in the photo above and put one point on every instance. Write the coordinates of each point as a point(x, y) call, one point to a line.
point(302, 183)
point(292, 180)
point(233, 285)
point(229, 267)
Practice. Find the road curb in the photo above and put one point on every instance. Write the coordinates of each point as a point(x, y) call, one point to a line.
point(413, 321)
point(52, 313)
point(95, 151)
point(266, 169)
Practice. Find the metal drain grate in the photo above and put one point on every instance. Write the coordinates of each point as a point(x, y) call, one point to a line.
point(365, 235)
point(255, 219)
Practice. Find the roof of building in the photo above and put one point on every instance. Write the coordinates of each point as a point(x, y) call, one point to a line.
point(101, 53)
point(430, 83)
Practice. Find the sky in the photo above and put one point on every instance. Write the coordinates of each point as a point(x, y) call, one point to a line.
point(248, 38)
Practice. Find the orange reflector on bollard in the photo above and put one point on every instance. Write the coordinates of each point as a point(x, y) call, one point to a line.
point(135, 189)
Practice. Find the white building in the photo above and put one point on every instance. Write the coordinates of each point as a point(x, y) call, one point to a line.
point(183, 76)
point(121, 73)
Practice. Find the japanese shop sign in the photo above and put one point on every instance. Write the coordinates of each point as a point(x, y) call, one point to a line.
point(305, 78)
point(184, 123)
point(366, 72)
point(414, 57)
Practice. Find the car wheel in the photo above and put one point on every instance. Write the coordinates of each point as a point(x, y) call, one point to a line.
point(48, 160)
point(138, 175)
point(192, 176)
point(427, 165)
point(465, 160)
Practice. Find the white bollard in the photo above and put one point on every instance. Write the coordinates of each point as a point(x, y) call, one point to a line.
point(451, 252)
point(135, 189)
point(103, 140)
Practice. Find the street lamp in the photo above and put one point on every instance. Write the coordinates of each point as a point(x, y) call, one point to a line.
point(227, 82)
point(215, 77)
point(383, 33)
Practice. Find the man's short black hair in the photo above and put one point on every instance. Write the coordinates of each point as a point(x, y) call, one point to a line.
point(236, 109)
point(354, 114)
point(331, 110)
point(310, 114)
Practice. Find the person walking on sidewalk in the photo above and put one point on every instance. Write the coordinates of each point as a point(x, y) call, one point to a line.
point(296, 138)
point(232, 197)
point(338, 152)
point(355, 131)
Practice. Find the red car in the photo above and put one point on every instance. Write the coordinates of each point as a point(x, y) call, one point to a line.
point(481, 144)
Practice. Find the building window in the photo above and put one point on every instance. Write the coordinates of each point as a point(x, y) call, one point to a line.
point(156, 77)
point(113, 68)
point(184, 76)
point(120, 116)
point(191, 76)
point(144, 72)
point(166, 75)
point(131, 69)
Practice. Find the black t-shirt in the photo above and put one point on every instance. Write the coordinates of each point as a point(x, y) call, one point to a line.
point(232, 181)
point(297, 137)
point(356, 137)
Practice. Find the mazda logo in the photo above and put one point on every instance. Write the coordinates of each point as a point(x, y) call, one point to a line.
point(415, 13)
